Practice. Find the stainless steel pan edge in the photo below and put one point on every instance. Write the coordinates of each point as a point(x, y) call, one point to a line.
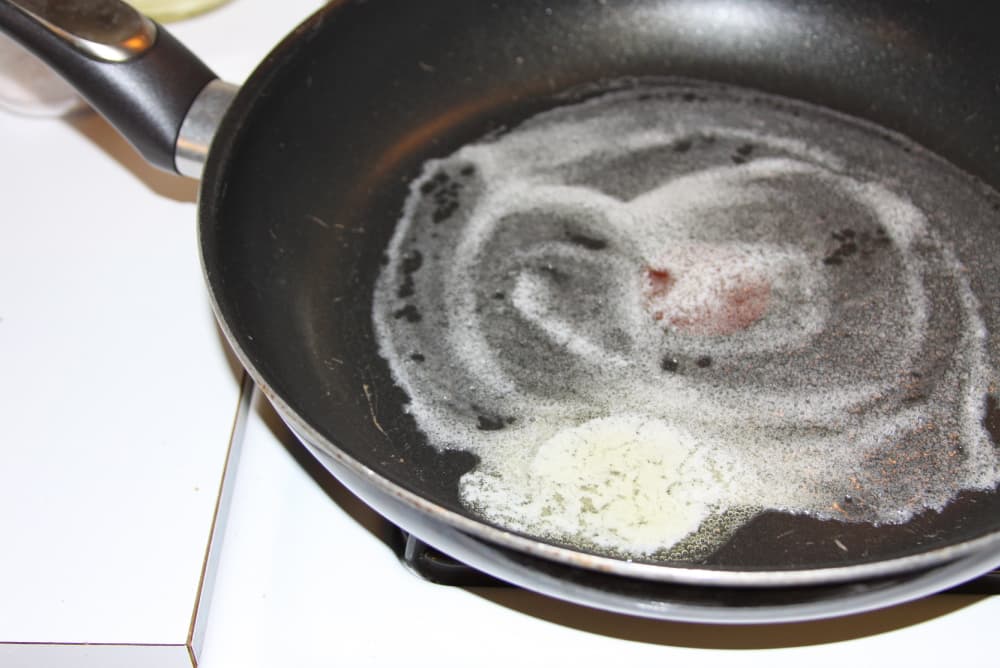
point(691, 600)
point(436, 526)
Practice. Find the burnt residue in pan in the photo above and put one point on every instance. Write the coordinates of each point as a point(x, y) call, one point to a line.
point(669, 312)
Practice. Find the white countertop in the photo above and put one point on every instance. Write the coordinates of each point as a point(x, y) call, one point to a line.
point(303, 577)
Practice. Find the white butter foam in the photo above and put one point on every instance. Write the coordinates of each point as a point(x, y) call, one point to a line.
point(664, 306)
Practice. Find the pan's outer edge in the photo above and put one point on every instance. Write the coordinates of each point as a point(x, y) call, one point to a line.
point(678, 603)
point(985, 545)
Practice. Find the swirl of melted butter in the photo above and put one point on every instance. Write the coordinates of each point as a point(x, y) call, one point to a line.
point(665, 306)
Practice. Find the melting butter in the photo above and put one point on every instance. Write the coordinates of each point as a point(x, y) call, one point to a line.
point(615, 480)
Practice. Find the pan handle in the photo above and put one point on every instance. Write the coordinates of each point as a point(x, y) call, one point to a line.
point(130, 70)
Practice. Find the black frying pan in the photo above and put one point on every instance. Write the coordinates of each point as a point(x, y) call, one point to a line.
point(313, 160)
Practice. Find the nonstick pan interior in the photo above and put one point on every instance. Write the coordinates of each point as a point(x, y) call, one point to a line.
point(313, 165)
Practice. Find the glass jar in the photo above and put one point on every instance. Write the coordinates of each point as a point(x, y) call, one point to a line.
point(173, 10)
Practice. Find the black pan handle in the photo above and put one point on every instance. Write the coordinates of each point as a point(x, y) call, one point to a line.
point(126, 66)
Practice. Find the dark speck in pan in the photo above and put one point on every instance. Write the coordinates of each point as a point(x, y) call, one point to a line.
point(409, 312)
point(590, 243)
point(487, 423)
point(992, 419)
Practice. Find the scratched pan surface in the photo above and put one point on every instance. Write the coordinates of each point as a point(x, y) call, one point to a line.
point(312, 167)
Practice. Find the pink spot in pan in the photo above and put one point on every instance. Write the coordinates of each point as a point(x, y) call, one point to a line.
point(707, 290)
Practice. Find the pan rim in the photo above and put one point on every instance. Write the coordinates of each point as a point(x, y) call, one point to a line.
point(693, 575)
point(717, 605)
